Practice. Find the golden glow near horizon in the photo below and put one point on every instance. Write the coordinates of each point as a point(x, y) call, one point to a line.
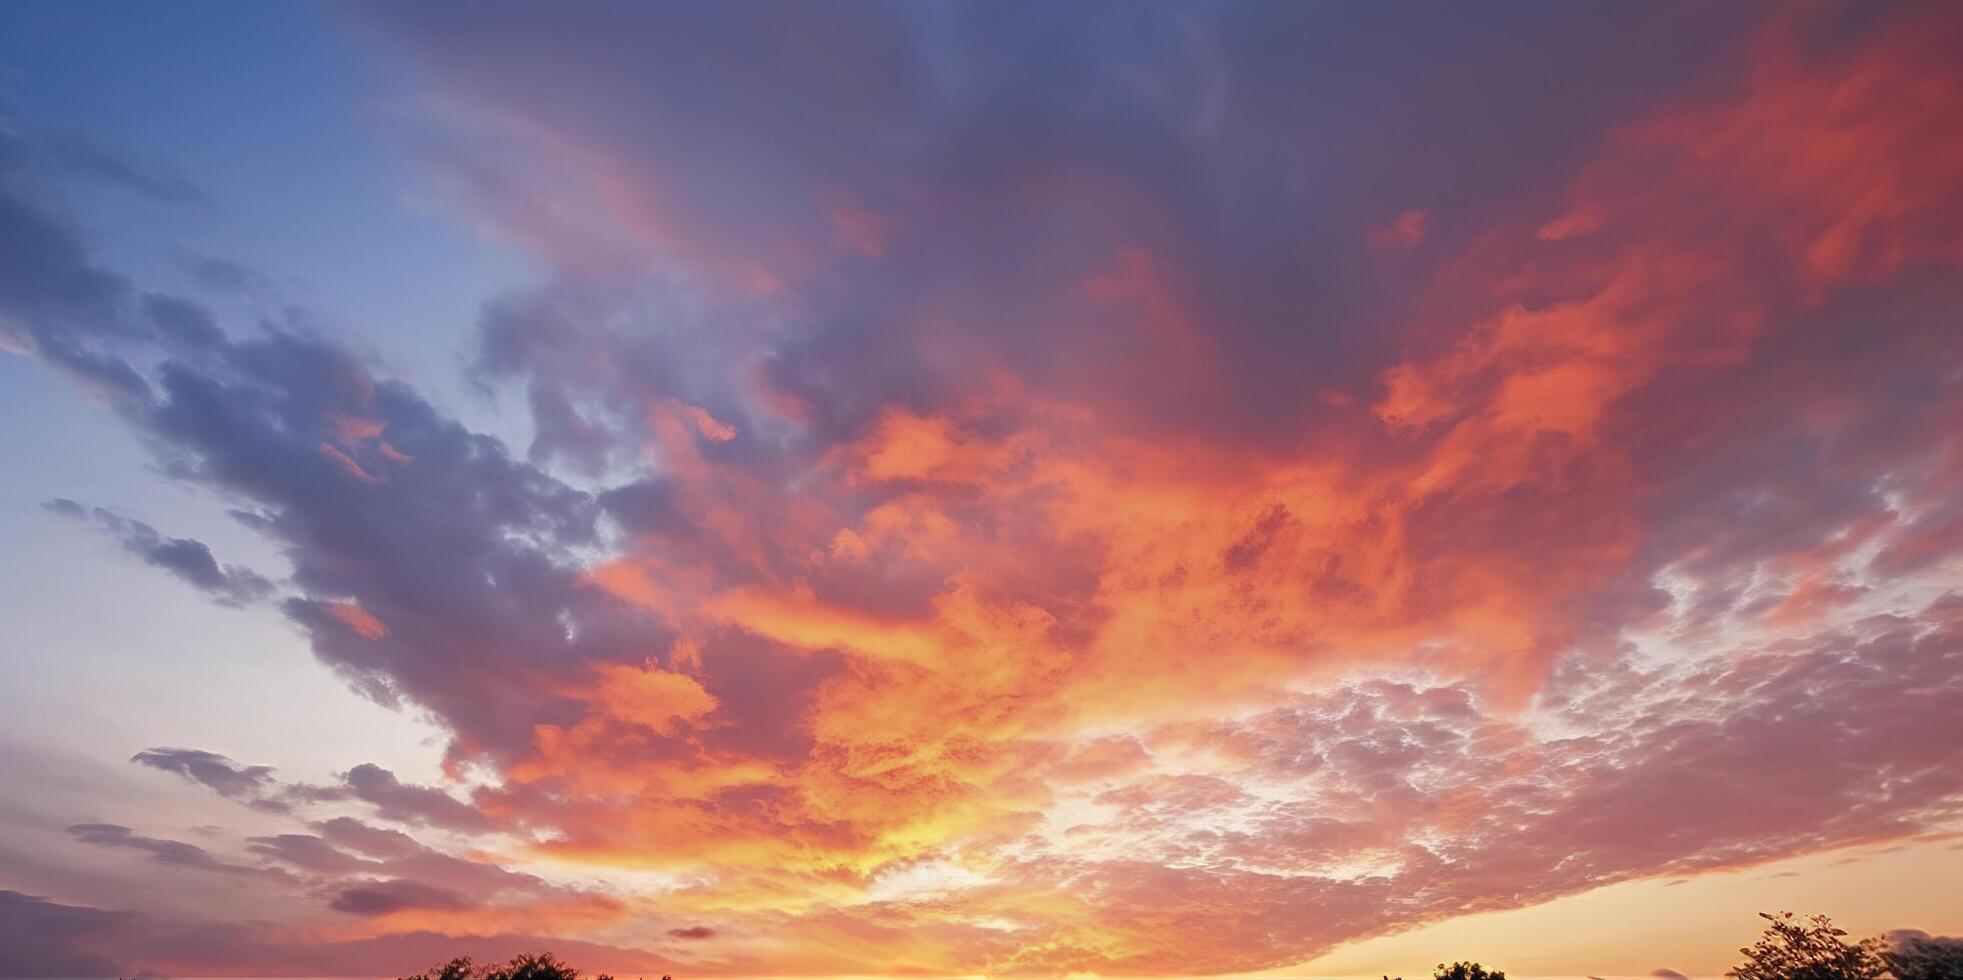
point(1692, 925)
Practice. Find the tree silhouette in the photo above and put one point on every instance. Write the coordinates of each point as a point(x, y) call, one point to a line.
point(1809, 948)
point(460, 968)
point(1466, 971)
point(1914, 956)
point(524, 966)
point(1457, 971)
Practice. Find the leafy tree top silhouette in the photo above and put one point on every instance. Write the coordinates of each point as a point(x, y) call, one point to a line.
point(524, 966)
point(1808, 948)
point(1466, 971)
point(1463, 971)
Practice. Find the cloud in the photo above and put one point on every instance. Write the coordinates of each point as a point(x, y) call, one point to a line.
point(185, 558)
point(225, 274)
point(248, 784)
point(48, 939)
point(39, 938)
point(169, 852)
point(394, 895)
point(408, 803)
point(58, 305)
point(180, 321)
point(75, 155)
point(368, 783)
point(306, 852)
point(1405, 231)
point(373, 841)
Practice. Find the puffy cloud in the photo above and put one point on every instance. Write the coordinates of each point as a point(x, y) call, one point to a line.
point(408, 803)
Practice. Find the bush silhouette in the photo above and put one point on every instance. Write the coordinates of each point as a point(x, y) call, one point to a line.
point(1809, 948)
point(1917, 956)
point(1463, 971)
point(524, 966)
point(1466, 971)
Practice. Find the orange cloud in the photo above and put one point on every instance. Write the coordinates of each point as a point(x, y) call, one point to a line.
point(974, 672)
point(1068, 588)
point(358, 619)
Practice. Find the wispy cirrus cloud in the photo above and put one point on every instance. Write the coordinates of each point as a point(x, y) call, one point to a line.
point(186, 558)
point(220, 774)
point(175, 853)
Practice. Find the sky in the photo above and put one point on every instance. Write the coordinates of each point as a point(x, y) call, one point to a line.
point(931, 488)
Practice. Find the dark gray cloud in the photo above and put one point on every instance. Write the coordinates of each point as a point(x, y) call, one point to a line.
point(180, 322)
point(378, 499)
point(412, 869)
point(354, 835)
point(186, 558)
point(308, 853)
point(456, 553)
point(403, 802)
point(78, 156)
point(57, 303)
point(1009, 196)
point(368, 783)
point(39, 938)
point(394, 895)
point(225, 274)
point(220, 774)
point(174, 853)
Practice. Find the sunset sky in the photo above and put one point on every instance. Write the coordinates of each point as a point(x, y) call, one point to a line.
point(811, 488)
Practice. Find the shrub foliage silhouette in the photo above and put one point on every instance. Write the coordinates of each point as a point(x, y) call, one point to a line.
point(1920, 957)
point(525, 966)
point(1463, 971)
point(1466, 971)
point(1809, 948)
